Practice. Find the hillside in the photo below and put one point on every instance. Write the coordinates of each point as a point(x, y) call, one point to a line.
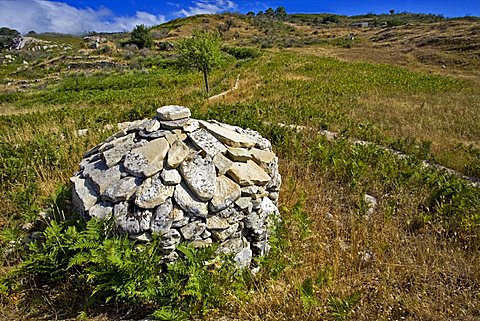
point(370, 230)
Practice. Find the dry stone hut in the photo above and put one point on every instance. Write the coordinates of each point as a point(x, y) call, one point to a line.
point(187, 180)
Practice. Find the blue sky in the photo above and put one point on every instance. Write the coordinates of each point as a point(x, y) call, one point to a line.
point(79, 16)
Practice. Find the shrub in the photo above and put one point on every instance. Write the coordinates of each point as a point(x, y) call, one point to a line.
point(141, 37)
point(6, 37)
point(242, 52)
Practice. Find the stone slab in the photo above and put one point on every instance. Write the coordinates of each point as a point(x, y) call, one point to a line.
point(189, 202)
point(238, 154)
point(173, 112)
point(147, 160)
point(122, 190)
point(200, 176)
point(227, 136)
point(207, 142)
point(226, 192)
point(153, 192)
point(248, 173)
point(84, 196)
point(177, 154)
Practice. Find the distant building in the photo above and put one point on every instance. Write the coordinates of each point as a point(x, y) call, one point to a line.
point(363, 24)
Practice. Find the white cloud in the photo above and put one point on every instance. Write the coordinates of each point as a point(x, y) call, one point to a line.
point(49, 16)
point(208, 6)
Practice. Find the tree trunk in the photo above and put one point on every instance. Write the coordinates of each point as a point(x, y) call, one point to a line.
point(205, 76)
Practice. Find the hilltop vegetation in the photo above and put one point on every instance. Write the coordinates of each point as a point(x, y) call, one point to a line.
point(408, 82)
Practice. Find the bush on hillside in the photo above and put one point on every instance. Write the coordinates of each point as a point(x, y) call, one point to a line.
point(141, 37)
point(6, 37)
point(241, 52)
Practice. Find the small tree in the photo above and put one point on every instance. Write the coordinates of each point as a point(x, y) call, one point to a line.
point(281, 13)
point(270, 13)
point(6, 37)
point(392, 11)
point(141, 37)
point(202, 52)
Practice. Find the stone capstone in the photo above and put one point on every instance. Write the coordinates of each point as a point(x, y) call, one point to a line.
point(184, 180)
point(173, 112)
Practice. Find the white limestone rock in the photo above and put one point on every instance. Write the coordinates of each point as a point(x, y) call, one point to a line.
point(199, 175)
point(134, 222)
point(84, 195)
point(192, 230)
point(119, 147)
point(122, 190)
point(189, 202)
point(217, 223)
point(170, 240)
point(223, 234)
point(162, 218)
point(147, 160)
point(177, 154)
point(173, 112)
point(222, 163)
point(207, 142)
point(249, 173)
point(226, 192)
point(173, 124)
point(153, 193)
point(101, 177)
point(239, 154)
point(171, 177)
point(227, 136)
point(101, 211)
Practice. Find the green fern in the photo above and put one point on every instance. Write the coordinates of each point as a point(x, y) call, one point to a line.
point(117, 269)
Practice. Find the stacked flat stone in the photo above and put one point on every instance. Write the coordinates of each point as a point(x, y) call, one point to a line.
point(186, 180)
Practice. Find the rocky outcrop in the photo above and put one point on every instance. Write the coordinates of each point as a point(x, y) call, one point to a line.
point(187, 181)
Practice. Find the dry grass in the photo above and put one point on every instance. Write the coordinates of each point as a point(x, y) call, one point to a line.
point(406, 275)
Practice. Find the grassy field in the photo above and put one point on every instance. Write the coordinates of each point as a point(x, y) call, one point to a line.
point(414, 257)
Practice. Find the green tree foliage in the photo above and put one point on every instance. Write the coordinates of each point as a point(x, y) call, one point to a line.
point(331, 19)
point(202, 52)
point(6, 37)
point(141, 37)
point(281, 13)
point(270, 13)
